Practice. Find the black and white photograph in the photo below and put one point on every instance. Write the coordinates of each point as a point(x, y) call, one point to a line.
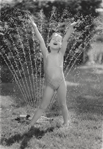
point(51, 74)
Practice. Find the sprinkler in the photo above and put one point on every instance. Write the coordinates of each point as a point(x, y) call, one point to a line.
point(22, 118)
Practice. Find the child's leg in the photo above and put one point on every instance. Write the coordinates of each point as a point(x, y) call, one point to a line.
point(62, 99)
point(48, 93)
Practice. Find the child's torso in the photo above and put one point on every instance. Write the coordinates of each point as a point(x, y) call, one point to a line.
point(53, 65)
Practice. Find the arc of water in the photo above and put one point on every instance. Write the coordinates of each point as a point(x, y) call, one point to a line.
point(18, 54)
point(19, 38)
point(36, 82)
point(73, 63)
point(76, 57)
point(70, 52)
point(74, 44)
point(40, 67)
point(40, 82)
point(70, 62)
point(16, 62)
point(26, 66)
point(14, 75)
point(31, 86)
point(36, 79)
point(39, 85)
point(72, 49)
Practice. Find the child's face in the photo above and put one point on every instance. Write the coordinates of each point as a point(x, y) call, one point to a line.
point(56, 41)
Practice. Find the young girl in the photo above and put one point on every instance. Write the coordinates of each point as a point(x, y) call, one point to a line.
point(53, 68)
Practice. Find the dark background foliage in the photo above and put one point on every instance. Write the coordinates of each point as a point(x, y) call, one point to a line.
point(19, 44)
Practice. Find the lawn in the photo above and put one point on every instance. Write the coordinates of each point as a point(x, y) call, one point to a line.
point(85, 104)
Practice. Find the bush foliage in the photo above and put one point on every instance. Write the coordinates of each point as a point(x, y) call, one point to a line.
point(19, 44)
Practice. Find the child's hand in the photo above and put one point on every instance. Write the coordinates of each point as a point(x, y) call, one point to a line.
point(32, 21)
point(73, 24)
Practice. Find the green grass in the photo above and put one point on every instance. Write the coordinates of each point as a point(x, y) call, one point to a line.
point(85, 104)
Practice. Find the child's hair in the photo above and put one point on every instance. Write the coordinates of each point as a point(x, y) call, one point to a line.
point(57, 33)
point(51, 35)
point(53, 31)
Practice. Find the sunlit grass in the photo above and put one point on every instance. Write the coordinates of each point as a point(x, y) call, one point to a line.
point(85, 104)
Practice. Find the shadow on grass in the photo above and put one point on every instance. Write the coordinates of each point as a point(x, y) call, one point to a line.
point(90, 104)
point(25, 138)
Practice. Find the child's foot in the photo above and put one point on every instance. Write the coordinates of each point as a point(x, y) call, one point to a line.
point(29, 127)
point(66, 124)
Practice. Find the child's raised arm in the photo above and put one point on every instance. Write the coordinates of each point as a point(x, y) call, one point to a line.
point(67, 35)
point(40, 38)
